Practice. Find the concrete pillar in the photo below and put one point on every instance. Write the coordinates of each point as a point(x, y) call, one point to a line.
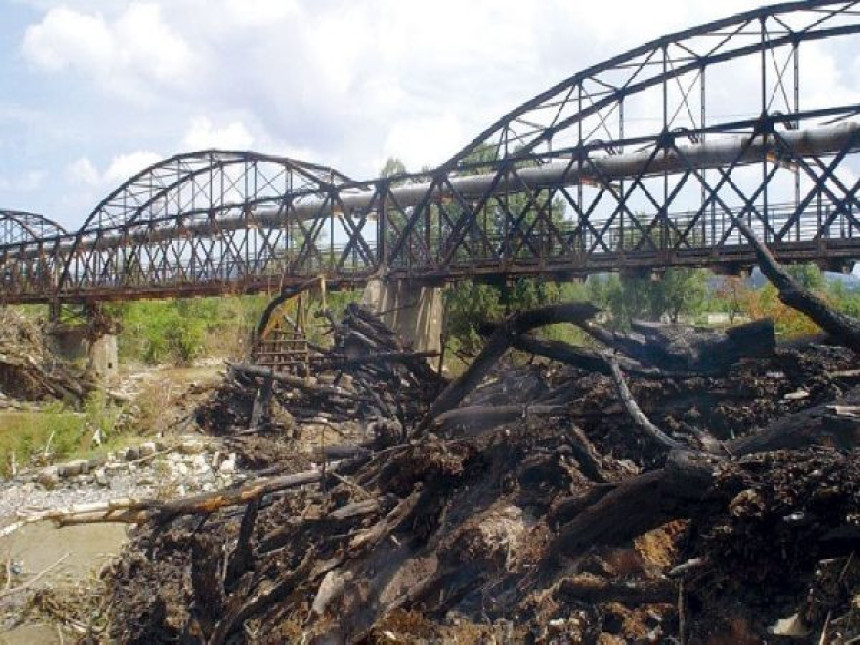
point(71, 343)
point(103, 358)
point(414, 313)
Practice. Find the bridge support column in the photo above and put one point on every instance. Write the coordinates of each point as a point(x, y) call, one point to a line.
point(93, 343)
point(103, 358)
point(414, 313)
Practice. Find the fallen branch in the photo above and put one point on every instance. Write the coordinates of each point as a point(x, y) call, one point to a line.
point(633, 409)
point(682, 349)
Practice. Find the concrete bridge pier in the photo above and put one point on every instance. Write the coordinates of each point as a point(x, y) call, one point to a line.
point(93, 342)
point(413, 312)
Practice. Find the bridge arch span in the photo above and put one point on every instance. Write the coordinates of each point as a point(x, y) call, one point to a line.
point(18, 227)
point(662, 85)
point(29, 261)
point(197, 217)
point(642, 162)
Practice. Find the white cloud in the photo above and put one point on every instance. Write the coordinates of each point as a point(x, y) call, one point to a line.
point(66, 38)
point(258, 13)
point(85, 174)
point(133, 55)
point(24, 182)
point(422, 141)
point(202, 134)
point(83, 171)
point(124, 166)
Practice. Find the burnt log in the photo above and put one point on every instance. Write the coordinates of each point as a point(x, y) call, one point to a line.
point(500, 341)
point(684, 349)
point(844, 329)
point(684, 486)
point(635, 411)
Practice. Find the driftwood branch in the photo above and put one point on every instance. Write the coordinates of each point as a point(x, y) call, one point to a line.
point(685, 350)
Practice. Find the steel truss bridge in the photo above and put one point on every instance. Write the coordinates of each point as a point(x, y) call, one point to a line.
point(639, 163)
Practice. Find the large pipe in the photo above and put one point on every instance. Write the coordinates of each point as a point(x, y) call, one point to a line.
point(714, 153)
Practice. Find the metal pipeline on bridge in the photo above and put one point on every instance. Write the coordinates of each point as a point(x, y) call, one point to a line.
point(715, 153)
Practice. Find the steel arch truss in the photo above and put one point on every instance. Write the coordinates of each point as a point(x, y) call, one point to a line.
point(28, 254)
point(643, 162)
point(676, 82)
point(205, 222)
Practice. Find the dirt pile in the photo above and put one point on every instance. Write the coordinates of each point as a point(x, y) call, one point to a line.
point(29, 371)
point(556, 521)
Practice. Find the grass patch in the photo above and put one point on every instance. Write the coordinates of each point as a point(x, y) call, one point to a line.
point(57, 433)
point(26, 434)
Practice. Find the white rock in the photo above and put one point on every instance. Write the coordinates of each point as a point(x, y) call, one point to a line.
point(191, 447)
point(791, 627)
point(199, 465)
point(147, 449)
point(101, 477)
point(228, 466)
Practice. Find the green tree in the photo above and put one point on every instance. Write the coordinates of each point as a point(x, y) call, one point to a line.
point(678, 292)
point(393, 167)
point(808, 275)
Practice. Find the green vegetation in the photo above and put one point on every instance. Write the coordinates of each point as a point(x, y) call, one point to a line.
point(677, 293)
point(58, 432)
point(181, 330)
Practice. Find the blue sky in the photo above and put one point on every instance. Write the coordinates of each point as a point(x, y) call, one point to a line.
point(93, 90)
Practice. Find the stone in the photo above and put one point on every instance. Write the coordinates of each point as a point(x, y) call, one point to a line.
point(101, 477)
point(132, 453)
point(115, 467)
point(791, 627)
point(147, 449)
point(228, 466)
point(180, 470)
point(49, 477)
point(191, 447)
point(72, 468)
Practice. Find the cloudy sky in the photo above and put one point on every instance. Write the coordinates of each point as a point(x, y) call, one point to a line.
point(94, 90)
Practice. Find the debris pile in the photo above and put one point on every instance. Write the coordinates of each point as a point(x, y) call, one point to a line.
point(29, 371)
point(368, 375)
point(538, 509)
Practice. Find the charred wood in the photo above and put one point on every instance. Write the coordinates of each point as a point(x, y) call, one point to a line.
point(844, 329)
